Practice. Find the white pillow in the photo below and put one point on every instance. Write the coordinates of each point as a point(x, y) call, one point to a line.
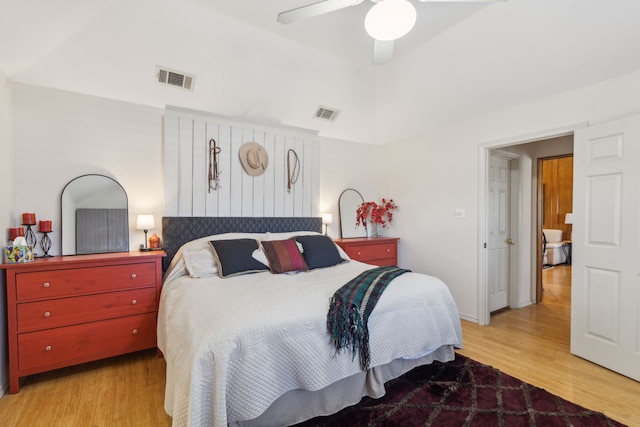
point(200, 262)
point(260, 256)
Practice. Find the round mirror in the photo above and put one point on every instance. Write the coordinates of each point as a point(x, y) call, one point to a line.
point(348, 203)
point(95, 216)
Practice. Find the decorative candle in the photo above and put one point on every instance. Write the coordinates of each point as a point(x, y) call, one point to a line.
point(16, 232)
point(45, 226)
point(29, 219)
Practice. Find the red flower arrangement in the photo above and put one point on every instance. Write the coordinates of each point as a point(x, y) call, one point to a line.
point(374, 213)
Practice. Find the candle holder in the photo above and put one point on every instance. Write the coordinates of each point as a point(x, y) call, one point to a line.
point(30, 236)
point(45, 244)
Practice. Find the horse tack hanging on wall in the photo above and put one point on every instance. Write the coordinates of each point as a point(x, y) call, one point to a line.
point(292, 172)
point(214, 173)
point(254, 158)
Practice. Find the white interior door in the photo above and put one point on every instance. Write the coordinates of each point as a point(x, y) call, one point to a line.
point(499, 232)
point(605, 307)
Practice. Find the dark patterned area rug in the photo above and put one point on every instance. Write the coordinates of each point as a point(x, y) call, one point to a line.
point(463, 393)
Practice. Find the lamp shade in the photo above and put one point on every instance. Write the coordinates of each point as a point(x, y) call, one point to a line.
point(327, 218)
point(145, 222)
point(568, 218)
point(390, 19)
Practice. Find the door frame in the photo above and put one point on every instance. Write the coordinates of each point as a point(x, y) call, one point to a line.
point(523, 264)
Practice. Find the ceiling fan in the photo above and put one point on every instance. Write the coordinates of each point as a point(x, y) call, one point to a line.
point(385, 22)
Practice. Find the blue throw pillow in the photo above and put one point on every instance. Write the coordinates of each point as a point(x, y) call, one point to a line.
point(319, 251)
point(234, 257)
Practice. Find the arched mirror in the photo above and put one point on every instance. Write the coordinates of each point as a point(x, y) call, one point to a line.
point(348, 203)
point(95, 216)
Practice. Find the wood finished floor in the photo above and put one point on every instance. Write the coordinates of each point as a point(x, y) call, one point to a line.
point(530, 343)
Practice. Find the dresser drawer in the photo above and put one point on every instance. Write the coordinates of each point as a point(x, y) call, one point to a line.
point(81, 281)
point(89, 341)
point(367, 253)
point(54, 313)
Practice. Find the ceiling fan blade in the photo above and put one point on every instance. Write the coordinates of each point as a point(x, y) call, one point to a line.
point(382, 51)
point(314, 10)
point(460, 1)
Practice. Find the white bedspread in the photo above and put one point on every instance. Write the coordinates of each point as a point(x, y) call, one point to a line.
point(234, 345)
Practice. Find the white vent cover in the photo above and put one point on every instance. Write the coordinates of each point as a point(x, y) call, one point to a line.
point(326, 113)
point(169, 77)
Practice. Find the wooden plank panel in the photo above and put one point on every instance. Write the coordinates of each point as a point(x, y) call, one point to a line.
point(185, 158)
point(308, 178)
point(289, 196)
point(565, 194)
point(225, 159)
point(269, 176)
point(315, 176)
point(235, 182)
point(171, 171)
point(549, 182)
point(247, 181)
point(187, 166)
point(199, 168)
point(259, 181)
point(298, 198)
point(280, 179)
point(212, 202)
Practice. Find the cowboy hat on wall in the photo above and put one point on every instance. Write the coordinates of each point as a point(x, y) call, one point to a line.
point(254, 158)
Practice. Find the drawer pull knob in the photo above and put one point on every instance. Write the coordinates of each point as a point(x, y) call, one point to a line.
point(134, 302)
point(135, 332)
point(47, 348)
point(133, 276)
point(47, 314)
point(388, 250)
point(46, 284)
point(359, 253)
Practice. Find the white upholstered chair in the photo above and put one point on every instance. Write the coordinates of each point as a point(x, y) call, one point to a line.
point(553, 254)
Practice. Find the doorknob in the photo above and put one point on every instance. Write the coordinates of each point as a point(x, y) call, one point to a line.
point(510, 241)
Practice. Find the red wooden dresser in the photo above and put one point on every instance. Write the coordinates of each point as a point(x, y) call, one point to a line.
point(66, 310)
point(379, 251)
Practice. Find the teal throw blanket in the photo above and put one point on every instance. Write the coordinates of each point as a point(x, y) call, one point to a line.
point(351, 306)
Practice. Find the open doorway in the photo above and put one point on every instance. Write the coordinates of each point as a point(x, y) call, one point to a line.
point(527, 259)
point(554, 223)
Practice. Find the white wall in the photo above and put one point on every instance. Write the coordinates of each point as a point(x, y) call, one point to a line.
point(61, 135)
point(6, 211)
point(433, 174)
point(345, 165)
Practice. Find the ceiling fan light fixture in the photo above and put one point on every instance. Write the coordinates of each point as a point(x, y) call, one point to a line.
point(390, 19)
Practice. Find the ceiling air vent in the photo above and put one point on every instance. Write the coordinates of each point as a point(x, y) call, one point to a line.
point(175, 78)
point(326, 113)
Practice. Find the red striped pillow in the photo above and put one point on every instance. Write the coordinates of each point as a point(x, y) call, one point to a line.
point(284, 256)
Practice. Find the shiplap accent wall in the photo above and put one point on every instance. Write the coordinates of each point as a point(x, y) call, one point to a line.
point(186, 168)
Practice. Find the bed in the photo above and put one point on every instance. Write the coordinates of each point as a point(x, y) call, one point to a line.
point(253, 349)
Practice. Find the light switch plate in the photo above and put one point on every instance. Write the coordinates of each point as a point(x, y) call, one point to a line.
point(460, 213)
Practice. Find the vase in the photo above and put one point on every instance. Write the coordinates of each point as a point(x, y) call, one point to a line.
point(375, 230)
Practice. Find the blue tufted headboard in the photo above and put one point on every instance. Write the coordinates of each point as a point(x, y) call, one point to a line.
point(178, 230)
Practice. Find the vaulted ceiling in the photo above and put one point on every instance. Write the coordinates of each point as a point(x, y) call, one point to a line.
point(460, 59)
